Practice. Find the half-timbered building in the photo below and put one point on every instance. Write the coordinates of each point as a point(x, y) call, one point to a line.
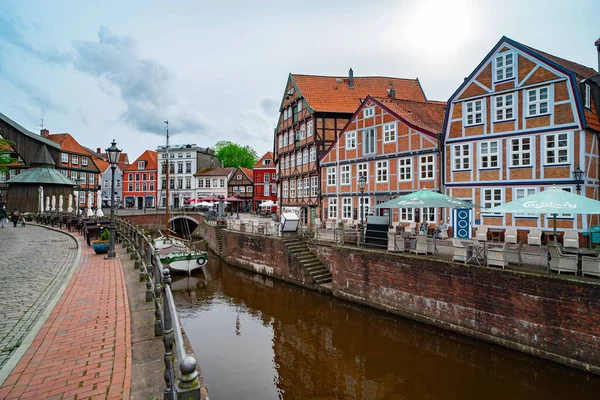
point(522, 121)
point(240, 185)
point(313, 112)
point(393, 144)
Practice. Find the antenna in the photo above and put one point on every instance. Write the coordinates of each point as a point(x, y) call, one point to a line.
point(41, 123)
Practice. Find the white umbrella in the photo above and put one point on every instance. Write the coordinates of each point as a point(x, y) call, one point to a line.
point(60, 203)
point(70, 209)
point(99, 212)
point(42, 200)
point(53, 202)
point(204, 204)
point(267, 203)
point(47, 203)
point(90, 213)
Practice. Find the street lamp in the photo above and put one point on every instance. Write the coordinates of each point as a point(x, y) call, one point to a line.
point(362, 182)
point(578, 176)
point(236, 190)
point(78, 182)
point(113, 158)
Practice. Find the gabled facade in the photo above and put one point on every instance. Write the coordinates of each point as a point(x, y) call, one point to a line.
point(393, 143)
point(241, 185)
point(140, 182)
point(523, 121)
point(265, 178)
point(313, 111)
point(213, 182)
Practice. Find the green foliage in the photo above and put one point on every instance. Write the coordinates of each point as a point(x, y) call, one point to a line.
point(5, 159)
point(105, 235)
point(234, 155)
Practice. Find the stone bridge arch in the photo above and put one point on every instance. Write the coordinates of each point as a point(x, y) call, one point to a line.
point(184, 225)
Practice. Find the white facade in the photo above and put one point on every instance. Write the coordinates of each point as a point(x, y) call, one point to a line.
point(183, 164)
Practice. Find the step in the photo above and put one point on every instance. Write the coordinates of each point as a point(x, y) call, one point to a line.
point(321, 276)
point(315, 269)
point(324, 280)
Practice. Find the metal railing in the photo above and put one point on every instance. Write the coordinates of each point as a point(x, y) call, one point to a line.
point(181, 368)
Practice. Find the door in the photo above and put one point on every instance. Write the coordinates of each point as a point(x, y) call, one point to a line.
point(140, 203)
point(462, 223)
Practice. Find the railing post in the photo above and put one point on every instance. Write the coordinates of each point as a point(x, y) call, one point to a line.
point(157, 299)
point(168, 338)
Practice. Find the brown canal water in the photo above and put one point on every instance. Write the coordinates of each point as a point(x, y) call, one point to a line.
point(258, 338)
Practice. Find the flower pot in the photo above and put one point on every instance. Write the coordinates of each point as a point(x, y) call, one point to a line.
point(100, 247)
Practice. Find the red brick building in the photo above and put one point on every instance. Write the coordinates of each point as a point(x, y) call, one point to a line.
point(265, 178)
point(140, 182)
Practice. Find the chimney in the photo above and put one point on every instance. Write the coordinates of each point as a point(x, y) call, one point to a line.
point(98, 150)
point(393, 93)
point(598, 48)
point(45, 133)
point(351, 79)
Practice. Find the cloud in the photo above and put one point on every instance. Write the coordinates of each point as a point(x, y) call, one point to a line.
point(144, 85)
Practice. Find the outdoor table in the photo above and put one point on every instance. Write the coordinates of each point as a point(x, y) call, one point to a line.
point(551, 236)
point(580, 252)
point(496, 234)
point(477, 251)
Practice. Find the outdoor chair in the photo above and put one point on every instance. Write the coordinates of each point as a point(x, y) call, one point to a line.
point(421, 245)
point(395, 241)
point(571, 239)
point(534, 237)
point(317, 223)
point(411, 228)
point(510, 235)
point(482, 232)
point(561, 262)
point(497, 256)
point(443, 234)
point(590, 265)
point(513, 253)
point(461, 252)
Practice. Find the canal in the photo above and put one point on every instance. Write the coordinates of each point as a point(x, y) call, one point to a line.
point(258, 338)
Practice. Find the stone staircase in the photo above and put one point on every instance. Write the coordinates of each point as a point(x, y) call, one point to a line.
point(302, 254)
point(219, 234)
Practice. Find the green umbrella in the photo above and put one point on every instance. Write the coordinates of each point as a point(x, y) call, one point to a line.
point(426, 198)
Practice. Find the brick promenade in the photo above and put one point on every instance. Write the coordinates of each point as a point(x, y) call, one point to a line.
point(83, 349)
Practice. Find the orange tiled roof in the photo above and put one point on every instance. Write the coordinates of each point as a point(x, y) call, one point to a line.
point(268, 156)
point(68, 143)
point(332, 93)
point(100, 163)
point(248, 173)
point(214, 172)
point(151, 158)
point(581, 70)
point(428, 116)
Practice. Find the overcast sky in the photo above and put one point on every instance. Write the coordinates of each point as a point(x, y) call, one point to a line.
point(217, 70)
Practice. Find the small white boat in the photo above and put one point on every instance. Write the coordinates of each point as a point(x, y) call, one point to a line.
point(177, 257)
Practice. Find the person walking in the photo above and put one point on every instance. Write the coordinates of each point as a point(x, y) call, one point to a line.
point(2, 215)
point(15, 217)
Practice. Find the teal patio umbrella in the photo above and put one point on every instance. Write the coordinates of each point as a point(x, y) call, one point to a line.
point(426, 198)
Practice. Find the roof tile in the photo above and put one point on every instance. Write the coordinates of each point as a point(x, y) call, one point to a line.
point(428, 116)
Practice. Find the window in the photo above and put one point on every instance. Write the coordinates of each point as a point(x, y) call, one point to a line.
point(428, 214)
point(137, 177)
point(474, 112)
point(222, 183)
point(106, 183)
point(381, 169)
point(330, 176)
point(305, 156)
point(389, 133)
point(537, 102)
point(266, 161)
point(347, 208)
point(350, 140)
point(285, 139)
point(345, 175)
point(298, 159)
point(285, 114)
point(144, 187)
point(274, 177)
point(130, 187)
point(557, 150)
point(427, 165)
point(164, 185)
point(152, 176)
point(306, 187)
point(292, 160)
point(406, 215)
point(520, 152)
point(141, 165)
point(295, 113)
point(137, 187)
point(332, 211)
point(2, 176)
point(164, 155)
point(293, 189)
point(505, 66)
point(91, 180)
point(588, 96)
point(368, 112)
point(519, 193)
point(74, 159)
point(200, 183)
point(362, 170)
point(314, 185)
point(238, 177)
point(369, 141)
point(488, 154)
point(364, 203)
point(266, 178)
point(309, 129)
point(144, 176)
point(64, 157)
point(188, 167)
point(300, 106)
point(172, 155)
point(151, 186)
point(207, 183)
point(504, 107)
point(180, 167)
point(302, 132)
point(285, 189)
point(300, 188)
point(84, 161)
point(291, 136)
point(491, 198)
point(249, 189)
point(215, 183)
point(117, 184)
point(179, 183)
point(461, 157)
point(280, 141)
point(405, 169)
point(312, 154)
point(82, 175)
point(188, 182)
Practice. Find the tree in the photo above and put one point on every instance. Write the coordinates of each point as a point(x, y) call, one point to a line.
point(234, 155)
point(4, 158)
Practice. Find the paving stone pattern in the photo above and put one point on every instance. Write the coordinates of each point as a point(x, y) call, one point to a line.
point(33, 264)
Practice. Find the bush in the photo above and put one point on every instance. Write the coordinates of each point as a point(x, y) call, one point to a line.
point(105, 235)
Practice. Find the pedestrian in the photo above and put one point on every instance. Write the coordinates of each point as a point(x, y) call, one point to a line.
point(2, 215)
point(15, 217)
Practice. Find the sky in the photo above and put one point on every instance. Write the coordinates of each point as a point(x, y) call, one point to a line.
point(104, 70)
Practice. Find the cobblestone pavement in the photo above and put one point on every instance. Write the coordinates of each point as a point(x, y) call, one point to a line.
point(34, 262)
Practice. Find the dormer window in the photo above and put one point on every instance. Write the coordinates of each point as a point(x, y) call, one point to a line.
point(64, 157)
point(84, 161)
point(74, 159)
point(368, 112)
point(505, 66)
point(588, 96)
point(267, 162)
point(141, 165)
point(239, 177)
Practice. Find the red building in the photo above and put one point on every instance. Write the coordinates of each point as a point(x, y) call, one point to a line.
point(140, 182)
point(265, 177)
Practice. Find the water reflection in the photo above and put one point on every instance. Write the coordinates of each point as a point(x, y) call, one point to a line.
point(258, 338)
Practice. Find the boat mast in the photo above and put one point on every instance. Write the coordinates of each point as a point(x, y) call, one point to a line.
point(167, 184)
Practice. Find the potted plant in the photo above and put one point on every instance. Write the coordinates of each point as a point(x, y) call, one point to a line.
point(100, 245)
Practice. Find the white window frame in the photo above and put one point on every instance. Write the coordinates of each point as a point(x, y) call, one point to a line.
point(405, 169)
point(424, 173)
point(350, 140)
point(284, 139)
point(293, 189)
point(521, 192)
point(345, 174)
point(381, 171)
point(362, 169)
point(520, 152)
point(487, 156)
point(406, 215)
point(588, 96)
point(285, 189)
point(74, 159)
point(502, 110)
point(305, 156)
point(557, 150)
point(463, 157)
point(428, 214)
point(470, 111)
point(347, 208)
point(331, 175)
point(538, 103)
point(369, 133)
point(503, 68)
point(64, 157)
point(312, 156)
point(306, 187)
point(300, 186)
point(364, 203)
point(332, 208)
point(302, 131)
point(493, 201)
point(84, 161)
point(314, 185)
point(298, 159)
point(368, 112)
point(309, 129)
point(389, 132)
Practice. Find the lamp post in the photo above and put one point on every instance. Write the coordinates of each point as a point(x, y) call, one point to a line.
point(113, 158)
point(578, 176)
point(78, 181)
point(362, 182)
point(236, 190)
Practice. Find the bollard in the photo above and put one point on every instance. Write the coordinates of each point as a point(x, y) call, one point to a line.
point(149, 291)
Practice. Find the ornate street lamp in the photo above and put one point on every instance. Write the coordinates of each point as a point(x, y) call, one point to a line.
point(578, 175)
point(78, 182)
point(362, 182)
point(236, 190)
point(113, 158)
